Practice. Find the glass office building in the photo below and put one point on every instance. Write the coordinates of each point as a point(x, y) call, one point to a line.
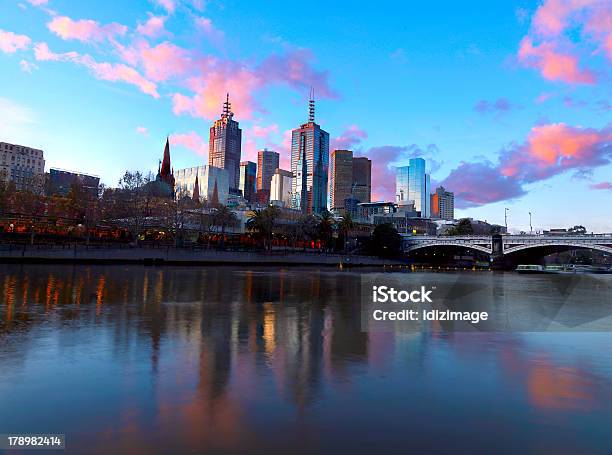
point(412, 185)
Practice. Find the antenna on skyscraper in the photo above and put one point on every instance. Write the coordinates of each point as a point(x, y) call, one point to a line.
point(227, 106)
point(311, 106)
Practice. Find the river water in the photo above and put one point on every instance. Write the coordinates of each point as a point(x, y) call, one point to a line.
point(267, 360)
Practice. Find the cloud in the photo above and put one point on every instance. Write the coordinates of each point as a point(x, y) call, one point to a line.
point(497, 107)
point(85, 29)
point(264, 131)
point(168, 5)
point(11, 42)
point(480, 183)
point(38, 2)
point(549, 150)
point(555, 148)
point(602, 186)
point(558, 28)
point(153, 27)
point(205, 25)
point(114, 72)
point(142, 130)
point(192, 141)
point(27, 67)
point(349, 138)
point(164, 61)
point(553, 64)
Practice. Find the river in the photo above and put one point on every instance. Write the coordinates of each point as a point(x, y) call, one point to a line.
point(268, 360)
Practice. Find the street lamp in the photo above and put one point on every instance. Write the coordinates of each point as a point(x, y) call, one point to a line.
point(530, 226)
point(506, 210)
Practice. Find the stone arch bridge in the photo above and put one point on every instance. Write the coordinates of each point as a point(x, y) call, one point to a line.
point(502, 245)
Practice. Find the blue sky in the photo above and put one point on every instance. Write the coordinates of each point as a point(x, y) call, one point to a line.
point(508, 101)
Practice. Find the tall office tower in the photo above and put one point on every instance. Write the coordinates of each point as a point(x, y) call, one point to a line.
point(362, 179)
point(443, 204)
point(280, 188)
point(401, 185)
point(23, 166)
point(309, 165)
point(340, 178)
point(267, 163)
point(248, 180)
point(412, 186)
point(212, 183)
point(225, 145)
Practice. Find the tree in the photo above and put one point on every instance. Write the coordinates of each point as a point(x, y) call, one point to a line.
point(307, 228)
point(223, 217)
point(134, 201)
point(385, 241)
point(345, 226)
point(325, 226)
point(577, 230)
point(262, 222)
point(463, 227)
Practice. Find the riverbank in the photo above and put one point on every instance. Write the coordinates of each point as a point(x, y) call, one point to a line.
point(180, 256)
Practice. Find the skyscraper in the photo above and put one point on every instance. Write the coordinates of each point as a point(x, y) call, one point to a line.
point(248, 180)
point(212, 183)
point(267, 163)
point(340, 178)
point(412, 186)
point(225, 145)
point(443, 204)
point(362, 179)
point(309, 165)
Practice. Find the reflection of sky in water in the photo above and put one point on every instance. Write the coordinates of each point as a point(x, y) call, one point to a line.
point(145, 359)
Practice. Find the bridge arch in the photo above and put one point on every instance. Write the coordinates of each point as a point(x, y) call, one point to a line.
point(561, 244)
point(468, 246)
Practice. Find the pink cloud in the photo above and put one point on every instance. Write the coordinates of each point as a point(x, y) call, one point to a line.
point(12, 42)
point(192, 141)
point(84, 29)
point(557, 27)
point(554, 65)
point(602, 186)
point(164, 61)
point(349, 138)
point(549, 150)
point(38, 2)
point(153, 27)
point(264, 131)
point(142, 130)
point(212, 33)
point(27, 67)
point(113, 72)
point(543, 97)
point(555, 148)
point(168, 5)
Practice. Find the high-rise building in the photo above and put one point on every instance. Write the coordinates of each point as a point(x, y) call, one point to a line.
point(412, 186)
point(401, 185)
point(267, 163)
point(23, 166)
point(309, 165)
point(213, 183)
point(362, 179)
point(248, 180)
point(340, 178)
point(280, 187)
point(443, 204)
point(225, 145)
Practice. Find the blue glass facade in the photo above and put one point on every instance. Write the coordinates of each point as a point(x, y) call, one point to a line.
point(412, 184)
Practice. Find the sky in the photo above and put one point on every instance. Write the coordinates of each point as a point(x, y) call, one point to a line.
point(509, 102)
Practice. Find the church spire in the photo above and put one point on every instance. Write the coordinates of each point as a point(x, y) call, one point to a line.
point(165, 166)
point(196, 190)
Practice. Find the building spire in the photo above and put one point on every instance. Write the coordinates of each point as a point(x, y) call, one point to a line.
point(165, 166)
point(311, 106)
point(227, 106)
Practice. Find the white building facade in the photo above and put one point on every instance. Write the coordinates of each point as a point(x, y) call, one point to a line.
point(280, 188)
point(23, 166)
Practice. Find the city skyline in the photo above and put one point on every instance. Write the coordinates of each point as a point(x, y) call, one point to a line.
point(517, 119)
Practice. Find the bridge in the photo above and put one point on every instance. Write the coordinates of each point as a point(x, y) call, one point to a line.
point(500, 245)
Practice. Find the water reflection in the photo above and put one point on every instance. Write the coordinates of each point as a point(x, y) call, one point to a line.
point(231, 360)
